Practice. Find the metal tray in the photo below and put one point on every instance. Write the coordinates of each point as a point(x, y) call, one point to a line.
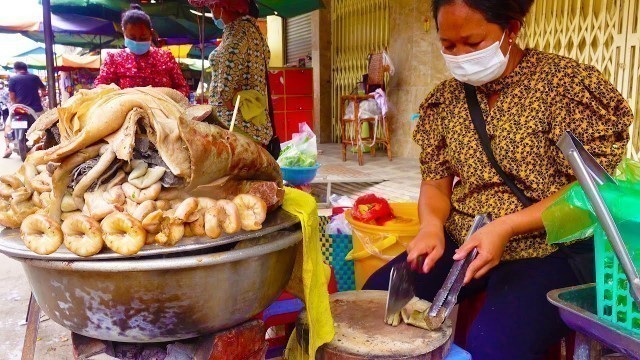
point(12, 245)
point(577, 307)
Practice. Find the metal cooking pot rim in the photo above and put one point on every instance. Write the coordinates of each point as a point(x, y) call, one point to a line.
point(12, 245)
point(281, 240)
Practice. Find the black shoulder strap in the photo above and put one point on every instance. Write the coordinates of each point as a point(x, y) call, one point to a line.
point(481, 128)
point(269, 101)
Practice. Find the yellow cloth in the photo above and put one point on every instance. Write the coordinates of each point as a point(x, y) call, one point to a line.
point(253, 106)
point(310, 276)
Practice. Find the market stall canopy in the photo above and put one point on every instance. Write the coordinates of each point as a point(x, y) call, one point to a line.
point(178, 51)
point(69, 61)
point(173, 20)
point(191, 51)
point(176, 10)
point(288, 8)
point(64, 23)
point(193, 64)
point(85, 41)
point(195, 52)
point(36, 59)
point(69, 29)
point(38, 50)
point(176, 20)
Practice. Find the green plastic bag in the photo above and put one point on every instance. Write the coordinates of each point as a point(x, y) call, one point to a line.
point(301, 151)
point(571, 216)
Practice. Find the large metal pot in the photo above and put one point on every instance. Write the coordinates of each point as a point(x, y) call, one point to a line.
point(164, 299)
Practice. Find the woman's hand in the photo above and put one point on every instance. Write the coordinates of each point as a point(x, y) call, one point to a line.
point(490, 241)
point(428, 244)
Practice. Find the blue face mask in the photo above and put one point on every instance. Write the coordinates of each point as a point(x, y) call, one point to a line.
point(219, 23)
point(137, 47)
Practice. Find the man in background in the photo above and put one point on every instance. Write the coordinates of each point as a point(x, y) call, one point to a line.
point(24, 89)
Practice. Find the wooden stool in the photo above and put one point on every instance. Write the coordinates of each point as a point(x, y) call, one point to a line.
point(356, 122)
point(362, 334)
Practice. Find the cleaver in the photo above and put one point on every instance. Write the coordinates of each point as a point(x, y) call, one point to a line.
point(402, 283)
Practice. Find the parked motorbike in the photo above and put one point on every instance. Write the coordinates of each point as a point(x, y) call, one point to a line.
point(21, 117)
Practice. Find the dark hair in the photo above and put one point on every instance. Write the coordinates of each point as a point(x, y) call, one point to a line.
point(499, 12)
point(135, 16)
point(20, 66)
point(155, 39)
point(254, 11)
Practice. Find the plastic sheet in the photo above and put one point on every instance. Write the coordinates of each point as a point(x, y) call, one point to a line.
point(374, 245)
point(371, 209)
point(340, 201)
point(339, 226)
point(571, 217)
point(367, 109)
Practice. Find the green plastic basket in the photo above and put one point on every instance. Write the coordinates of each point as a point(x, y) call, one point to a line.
point(615, 303)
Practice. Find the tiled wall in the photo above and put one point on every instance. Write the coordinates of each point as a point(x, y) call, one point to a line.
point(419, 68)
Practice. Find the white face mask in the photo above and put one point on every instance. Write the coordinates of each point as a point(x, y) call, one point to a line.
point(479, 67)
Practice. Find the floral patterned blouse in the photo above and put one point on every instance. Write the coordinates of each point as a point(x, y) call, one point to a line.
point(542, 98)
point(239, 64)
point(156, 68)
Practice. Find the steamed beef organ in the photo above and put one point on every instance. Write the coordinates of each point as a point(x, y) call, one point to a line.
point(142, 165)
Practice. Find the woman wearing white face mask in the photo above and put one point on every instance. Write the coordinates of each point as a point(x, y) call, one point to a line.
point(525, 99)
point(141, 64)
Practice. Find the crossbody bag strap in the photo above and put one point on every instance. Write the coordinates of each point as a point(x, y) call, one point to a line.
point(269, 100)
point(581, 265)
point(481, 129)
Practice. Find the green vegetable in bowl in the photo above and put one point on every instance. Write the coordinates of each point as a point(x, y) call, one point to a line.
point(301, 151)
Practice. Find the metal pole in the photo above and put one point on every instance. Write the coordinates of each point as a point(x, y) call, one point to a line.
point(202, 54)
point(31, 334)
point(587, 172)
point(48, 47)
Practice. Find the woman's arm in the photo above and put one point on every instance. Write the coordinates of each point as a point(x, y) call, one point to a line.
point(108, 73)
point(529, 220)
point(434, 206)
point(491, 239)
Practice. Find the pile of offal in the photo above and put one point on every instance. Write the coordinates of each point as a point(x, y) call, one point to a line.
point(133, 167)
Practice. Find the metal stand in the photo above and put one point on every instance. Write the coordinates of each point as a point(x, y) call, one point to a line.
point(31, 334)
point(590, 174)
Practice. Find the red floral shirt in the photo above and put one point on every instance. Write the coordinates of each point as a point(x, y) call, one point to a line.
point(156, 68)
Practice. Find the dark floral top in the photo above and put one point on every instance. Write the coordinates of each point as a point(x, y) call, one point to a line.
point(157, 68)
point(542, 98)
point(239, 64)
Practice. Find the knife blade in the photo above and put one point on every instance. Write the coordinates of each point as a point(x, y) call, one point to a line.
point(401, 289)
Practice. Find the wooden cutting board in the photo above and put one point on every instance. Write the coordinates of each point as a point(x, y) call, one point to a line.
point(362, 334)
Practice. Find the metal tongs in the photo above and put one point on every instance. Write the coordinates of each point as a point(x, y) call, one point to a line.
point(590, 174)
point(447, 297)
